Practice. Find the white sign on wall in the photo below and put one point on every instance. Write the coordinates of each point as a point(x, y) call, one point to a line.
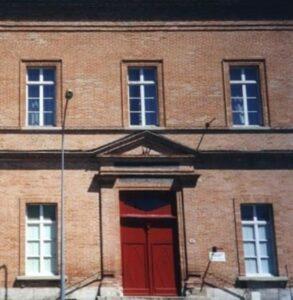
point(217, 256)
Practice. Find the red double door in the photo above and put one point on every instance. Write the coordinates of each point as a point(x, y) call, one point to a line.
point(149, 245)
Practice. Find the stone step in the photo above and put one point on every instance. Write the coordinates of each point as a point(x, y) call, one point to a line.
point(195, 297)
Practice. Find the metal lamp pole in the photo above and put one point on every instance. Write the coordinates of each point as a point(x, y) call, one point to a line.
point(68, 96)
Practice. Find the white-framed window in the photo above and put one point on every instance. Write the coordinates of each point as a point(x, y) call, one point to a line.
point(40, 96)
point(245, 96)
point(40, 250)
point(142, 96)
point(258, 240)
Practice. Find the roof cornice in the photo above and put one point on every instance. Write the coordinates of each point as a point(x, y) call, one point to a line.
point(68, 26)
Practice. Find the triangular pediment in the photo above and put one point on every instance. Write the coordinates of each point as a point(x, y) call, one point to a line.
point(144, 144)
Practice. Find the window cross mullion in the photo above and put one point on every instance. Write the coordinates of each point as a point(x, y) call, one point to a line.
point(41, 237)
point(142, 95)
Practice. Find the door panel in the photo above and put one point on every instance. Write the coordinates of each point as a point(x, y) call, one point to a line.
point(164, 282)
point(134, 259)
point(161, 238)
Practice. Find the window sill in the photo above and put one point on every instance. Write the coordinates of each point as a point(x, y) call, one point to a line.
point(262, 281)
point(38, 278)
point(147, 127)
point(41, 128)
point(250, 127)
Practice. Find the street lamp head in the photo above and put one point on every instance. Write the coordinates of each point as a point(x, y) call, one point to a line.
point(68, 94)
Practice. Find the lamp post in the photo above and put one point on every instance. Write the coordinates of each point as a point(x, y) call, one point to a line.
point(68, 96)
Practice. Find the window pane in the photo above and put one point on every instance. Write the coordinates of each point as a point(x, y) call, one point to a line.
point(248, 232)
point(235, 74)
point(33, 119)
point(33, 265)
point(33, 91)
point(33, 232)
point(252, 90)
point(49, 232)
point(134, 91)
point(263, 232)
point(33, 105)
point(237, 104)
point(265, 266)
point(135, 105)
point(150, 91)
point(33, 248)
point(49, 265)
point(253, 104)
point(49, 212)
point(151, 118)
point(33, 212)
point(49, 91)
point(49, 119)
point(236, 90)
point(264, 249)
point(250, 266)
point(133, 74)
point(263, 212)
point(253, 118)
point(151, 105)
point(49, 105)
point(48, 249)
point(246, 212)
point(33, 74)
point(149, 74)
point(238, 118)
point(49, 74)
point(249, 249)
point(135, 119)
point(251, 73)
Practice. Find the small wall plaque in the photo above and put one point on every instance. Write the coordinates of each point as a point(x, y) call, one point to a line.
point(217, 256)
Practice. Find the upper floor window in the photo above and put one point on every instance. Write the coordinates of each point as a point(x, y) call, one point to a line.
point(40, 96)
point(258, 239)
point(142, 96)
point(41, 240)
point(245, 96)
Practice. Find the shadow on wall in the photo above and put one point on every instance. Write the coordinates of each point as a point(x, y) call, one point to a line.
point(83, 283)
point(4, 269)
point(208, 279)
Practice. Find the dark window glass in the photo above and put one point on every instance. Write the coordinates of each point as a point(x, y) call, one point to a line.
point(134, 91)
point(49, 74)
point(149, 74)
point(33, 212)
point(251, 73)
point(33, 74)
point(263, 212)
point(33, 105)
point(135, 118)
point(133, 74)
point(135, 105)
point(236, 90)
point(151, 119)
point(49, 91)
point(49, 212)
point(235, 74)
point(246, 212)
point(33, 91)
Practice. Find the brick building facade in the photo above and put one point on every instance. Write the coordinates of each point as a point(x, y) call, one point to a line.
point(178, 138)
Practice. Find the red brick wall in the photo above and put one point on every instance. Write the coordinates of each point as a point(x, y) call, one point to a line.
point(193, 94)
point(192, 72)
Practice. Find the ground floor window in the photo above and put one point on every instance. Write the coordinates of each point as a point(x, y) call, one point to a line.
point(258, 239)
point(41, 239)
